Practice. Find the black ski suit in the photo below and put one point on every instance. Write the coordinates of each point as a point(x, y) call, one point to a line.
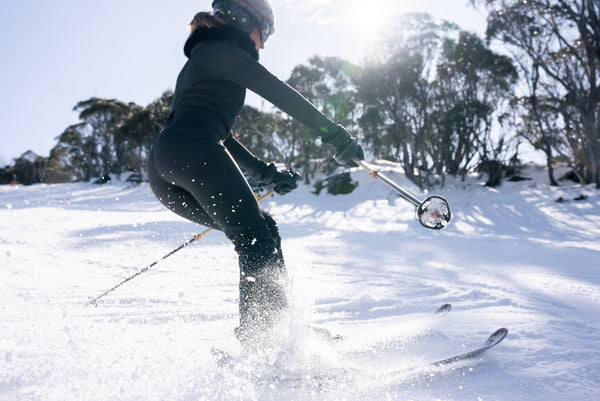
point(194, 166)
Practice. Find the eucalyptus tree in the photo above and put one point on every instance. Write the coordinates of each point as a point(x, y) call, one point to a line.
point(327, 82)
point(395, 93)
point(134, 136)
point(559, 42)
point(103, 117)
point(80, 151)
point(473, 89)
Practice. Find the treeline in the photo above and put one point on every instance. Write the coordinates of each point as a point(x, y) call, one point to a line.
point(431, 96)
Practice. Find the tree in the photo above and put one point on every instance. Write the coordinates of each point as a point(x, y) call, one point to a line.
point(104, 116)
point(58, 168)
point(473, 84)
point(560, 38)
point(539, 125)
point(394, 90)
point(7, 175)
point(432, 98)
point(81, 150)
point(327, 82)
point(136, 134)
point(29, 168)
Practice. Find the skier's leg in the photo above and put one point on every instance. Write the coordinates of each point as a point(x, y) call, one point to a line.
point(177, 199)
point(272, 225)
point(207, 172)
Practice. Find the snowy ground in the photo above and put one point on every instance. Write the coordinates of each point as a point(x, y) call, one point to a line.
point(361, 266)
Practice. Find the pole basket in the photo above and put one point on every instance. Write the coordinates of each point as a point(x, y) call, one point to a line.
point(434, 213)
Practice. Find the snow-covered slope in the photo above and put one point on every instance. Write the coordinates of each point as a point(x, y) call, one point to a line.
point(361, 266)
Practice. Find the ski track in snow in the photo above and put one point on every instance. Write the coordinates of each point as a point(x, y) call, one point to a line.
point(360, 265)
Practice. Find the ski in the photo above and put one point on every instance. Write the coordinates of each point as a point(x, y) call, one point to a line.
point(492, 341)
point(348, 374)
point(443, 310)
point(225, 359)
point(333, 376)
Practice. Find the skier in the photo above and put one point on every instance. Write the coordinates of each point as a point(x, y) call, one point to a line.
point(194, 165)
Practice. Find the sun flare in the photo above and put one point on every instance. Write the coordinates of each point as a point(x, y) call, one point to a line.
point(370, 18)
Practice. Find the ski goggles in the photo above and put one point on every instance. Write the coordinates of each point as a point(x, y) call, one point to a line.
point(265, 29)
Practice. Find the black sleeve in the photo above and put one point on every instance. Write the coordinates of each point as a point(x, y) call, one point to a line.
point(244, 70)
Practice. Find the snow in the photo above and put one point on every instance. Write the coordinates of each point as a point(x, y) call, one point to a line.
point(360, 266)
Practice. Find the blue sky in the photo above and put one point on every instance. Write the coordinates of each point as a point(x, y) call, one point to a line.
point(57, 53)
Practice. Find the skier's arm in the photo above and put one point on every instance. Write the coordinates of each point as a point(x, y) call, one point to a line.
point(242, 69)
point(283, 181)
point(239, 67)
point(244, 157)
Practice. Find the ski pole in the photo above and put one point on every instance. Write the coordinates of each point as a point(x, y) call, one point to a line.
point(94, 301)
point(433, 212)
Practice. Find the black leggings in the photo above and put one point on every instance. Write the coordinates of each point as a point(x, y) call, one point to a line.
point(194, 175)
point(203, 184)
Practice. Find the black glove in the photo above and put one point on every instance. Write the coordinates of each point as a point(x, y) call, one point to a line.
point(284, 181)
point(346, 147)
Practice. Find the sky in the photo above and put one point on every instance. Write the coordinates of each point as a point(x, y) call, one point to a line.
point(57, 53)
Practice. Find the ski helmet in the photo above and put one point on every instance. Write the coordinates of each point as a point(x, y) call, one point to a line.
point(247, 15)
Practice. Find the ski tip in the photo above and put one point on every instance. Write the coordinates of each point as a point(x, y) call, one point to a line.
point(497, 336)
point(442, 310)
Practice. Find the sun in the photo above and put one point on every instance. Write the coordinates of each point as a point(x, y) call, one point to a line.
point(370, 18)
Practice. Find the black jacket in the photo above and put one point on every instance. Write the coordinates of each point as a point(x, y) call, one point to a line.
point(223, 62)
